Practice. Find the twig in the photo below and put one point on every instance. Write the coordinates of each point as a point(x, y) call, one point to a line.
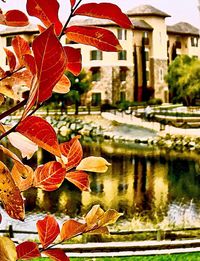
point(69, 18)
point(13, 109)
point(11, 73)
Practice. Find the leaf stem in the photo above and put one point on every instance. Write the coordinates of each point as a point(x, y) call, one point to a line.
point(11, 73)
point(69, 18)
point(13, 109)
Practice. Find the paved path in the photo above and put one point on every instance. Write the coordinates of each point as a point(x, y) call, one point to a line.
point(132, 120)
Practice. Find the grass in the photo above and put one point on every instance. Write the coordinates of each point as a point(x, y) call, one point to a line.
point(174, 257)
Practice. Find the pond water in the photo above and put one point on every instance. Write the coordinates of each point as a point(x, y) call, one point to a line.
point(149, 186)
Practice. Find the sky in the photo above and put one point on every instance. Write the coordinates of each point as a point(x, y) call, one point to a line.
point(180, 10)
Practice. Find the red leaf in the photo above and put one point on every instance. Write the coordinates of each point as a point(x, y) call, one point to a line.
point(56, 254)
point(27, 250)
point(49, 176)
point(11, 59)
point(72, 3)
point(74, 60)
point(15, 18)
point(46, 11)
point(2, 72)
point(21, 47)
point(79, 179)
point(48, 230)
point(29, 62)
point(40, 132)
point(71, 228)
point(50, 61)
point(102, 39)
point(73, 151)
point(105, 10)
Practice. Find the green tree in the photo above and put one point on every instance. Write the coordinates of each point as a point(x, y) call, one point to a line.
point(80, 85)
point(183, 79)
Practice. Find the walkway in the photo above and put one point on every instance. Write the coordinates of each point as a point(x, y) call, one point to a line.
point(132, 120)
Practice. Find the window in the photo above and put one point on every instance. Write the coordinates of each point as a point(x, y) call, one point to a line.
point(96, 99)
point(122, 34)
point(96, 74)
point(145, 34)
point(96, 55)
point(122, 96)
point(122, 74)
point(194, 41)
point(161, 75)
point(122, 55)
point(9, 41)
point(145, 38)
point(146, 55)
point(147, 75)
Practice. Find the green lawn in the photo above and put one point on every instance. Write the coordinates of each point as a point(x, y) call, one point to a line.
point(177, 257)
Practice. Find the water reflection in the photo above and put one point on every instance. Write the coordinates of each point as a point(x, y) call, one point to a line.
point(149, 184)
point(140, 182)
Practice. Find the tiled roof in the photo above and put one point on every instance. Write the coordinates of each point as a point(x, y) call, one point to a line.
point(92, 21)
point(31, 28)
point(182, 28)
point(141, 24)
point(146, 10)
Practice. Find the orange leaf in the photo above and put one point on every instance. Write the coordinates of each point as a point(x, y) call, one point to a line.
point(72, 150)
point(2, 99)
point(22, 78)
point(21, 47)
point(40, 132)
point(50, 61)
point(11, 59)
point(6, 88)
point(56, 254)
point(79, 179)
point(109, 217)
point(105, 10)
point(23, 176)
point(71, 228)
point(27, 250)
point(2, 73)
point(46, 11)
point(10, 194)
point(72, 3)
point(93, 216)
point(7, 249)
point(94, 164)
point(63, 85)
point(74, 60)
point(100, 38)
point(15, 18)
point(48, 230)
point(49, 176)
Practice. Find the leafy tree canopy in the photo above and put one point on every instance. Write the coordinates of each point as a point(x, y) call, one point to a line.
point(184, 79)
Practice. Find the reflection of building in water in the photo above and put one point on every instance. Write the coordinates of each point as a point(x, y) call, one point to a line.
point(65, 200)
point(129, 186)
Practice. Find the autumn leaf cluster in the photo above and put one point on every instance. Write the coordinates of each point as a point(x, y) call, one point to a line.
point(40, 69)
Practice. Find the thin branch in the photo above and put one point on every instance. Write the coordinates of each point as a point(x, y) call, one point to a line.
point(69, 18)
point(11, 73)
point(9, 131)
point(13, 109)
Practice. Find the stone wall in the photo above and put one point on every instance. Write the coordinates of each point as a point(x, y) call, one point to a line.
point(110, 85)
point(158, 70)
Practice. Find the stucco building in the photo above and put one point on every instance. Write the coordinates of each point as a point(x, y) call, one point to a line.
point(137, 72)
